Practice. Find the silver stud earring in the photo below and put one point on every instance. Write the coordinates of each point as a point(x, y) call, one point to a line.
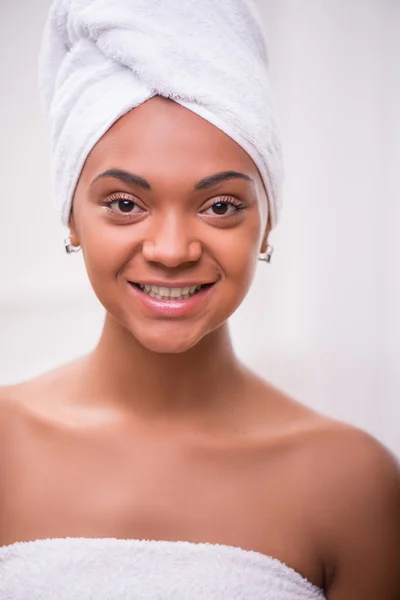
point(69, 248)
point(267, 255)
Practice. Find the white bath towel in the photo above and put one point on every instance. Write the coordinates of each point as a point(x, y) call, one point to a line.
point(111, 569)
point(101, 58)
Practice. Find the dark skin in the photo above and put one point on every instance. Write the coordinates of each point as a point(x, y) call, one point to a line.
point(161, 432)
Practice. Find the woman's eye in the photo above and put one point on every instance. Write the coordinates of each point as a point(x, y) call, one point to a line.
point(124, 206)
point(222, 209)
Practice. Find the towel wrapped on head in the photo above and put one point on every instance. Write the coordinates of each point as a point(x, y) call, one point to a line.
point(102, 58)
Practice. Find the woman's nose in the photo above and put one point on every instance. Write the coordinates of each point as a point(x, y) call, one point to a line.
point(171, 243)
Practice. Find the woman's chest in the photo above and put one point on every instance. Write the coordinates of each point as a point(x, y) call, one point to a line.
point(156, 488)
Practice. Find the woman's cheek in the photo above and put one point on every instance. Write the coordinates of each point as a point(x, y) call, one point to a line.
point(107, 250)
point(243, 256)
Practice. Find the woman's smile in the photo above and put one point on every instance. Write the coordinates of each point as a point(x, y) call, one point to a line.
point(171, 301)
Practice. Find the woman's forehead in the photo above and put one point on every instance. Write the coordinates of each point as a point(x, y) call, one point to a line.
point(163, 135)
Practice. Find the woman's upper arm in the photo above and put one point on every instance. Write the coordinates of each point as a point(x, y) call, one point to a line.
point(366, 531)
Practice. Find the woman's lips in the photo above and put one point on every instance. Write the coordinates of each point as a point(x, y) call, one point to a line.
point(171, 307)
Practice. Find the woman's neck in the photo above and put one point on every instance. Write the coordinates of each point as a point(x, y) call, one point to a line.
point(203, 380)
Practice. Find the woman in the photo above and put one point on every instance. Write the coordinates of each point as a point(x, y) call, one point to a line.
point(159, 466)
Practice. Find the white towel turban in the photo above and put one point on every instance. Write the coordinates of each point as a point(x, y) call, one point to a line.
point(101, 58)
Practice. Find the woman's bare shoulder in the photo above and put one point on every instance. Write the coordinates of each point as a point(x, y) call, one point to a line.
point(355, 489)
point(349, 450)
point(14, 411)
point(29, 397)
point(346, 462)
point(330, 441)
point(10, 405)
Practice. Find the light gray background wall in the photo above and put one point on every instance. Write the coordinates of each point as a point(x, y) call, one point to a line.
point(322, 321)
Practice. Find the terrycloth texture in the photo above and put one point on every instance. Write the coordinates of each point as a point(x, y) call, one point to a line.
point(111, 569)
point(101, 58)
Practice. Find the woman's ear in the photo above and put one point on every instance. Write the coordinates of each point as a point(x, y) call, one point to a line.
point(73, 232)
point(264, 244)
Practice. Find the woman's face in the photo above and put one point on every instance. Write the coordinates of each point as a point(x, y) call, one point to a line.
point(167, 203)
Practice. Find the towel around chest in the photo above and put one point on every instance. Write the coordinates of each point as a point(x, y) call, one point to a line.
point(113, 569)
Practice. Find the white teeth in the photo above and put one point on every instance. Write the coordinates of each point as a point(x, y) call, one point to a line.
point(166, 293)
point(163, 291)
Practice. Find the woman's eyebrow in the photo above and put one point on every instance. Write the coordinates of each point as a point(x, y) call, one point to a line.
point(206, 182)
point(125, 177)
point(219, 177)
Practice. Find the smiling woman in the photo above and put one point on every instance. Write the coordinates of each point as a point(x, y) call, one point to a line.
point(188, 225)
point(159, 465)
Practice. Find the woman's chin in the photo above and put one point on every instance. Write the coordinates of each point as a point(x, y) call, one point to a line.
point(172, 340)
point(171, 346)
